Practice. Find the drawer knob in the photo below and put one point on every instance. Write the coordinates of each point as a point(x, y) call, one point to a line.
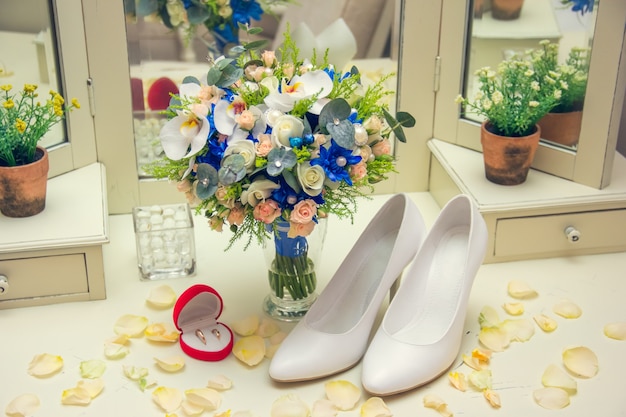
point(4, 284)
point(572, 234)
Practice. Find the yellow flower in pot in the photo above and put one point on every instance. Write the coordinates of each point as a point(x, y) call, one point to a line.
point(24, 120)
point(511, 101)
point(562, 123)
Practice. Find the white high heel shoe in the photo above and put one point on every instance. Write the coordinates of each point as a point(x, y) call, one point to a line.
point(333, 334)
point(420, 335)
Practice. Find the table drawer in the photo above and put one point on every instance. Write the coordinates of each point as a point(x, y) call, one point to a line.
point(599, 231)
point(44, 276)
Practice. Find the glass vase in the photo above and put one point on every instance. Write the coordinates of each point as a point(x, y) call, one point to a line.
point(292, 264)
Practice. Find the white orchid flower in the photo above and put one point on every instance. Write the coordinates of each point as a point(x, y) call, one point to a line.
point(234, 120)
point(184, 135)
point(301, 87)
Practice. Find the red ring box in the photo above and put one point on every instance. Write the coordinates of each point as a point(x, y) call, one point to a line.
point(197, 310)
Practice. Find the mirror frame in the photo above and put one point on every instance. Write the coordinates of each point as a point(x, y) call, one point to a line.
point(591, 164)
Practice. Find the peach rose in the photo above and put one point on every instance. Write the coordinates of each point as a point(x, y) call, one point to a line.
point(382, 148)
point(236, 215)
point(266, 211)
point(184, 186)
point(300, 229)
point(245, 120)
point(222, 196)
point(358, 171)
point(288, 70)
point(264, 146)
point(303, 212)
point(268, 58)
point(216, 223)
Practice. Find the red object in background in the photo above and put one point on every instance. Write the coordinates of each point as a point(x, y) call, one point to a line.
point(136, 91)
point(159, 93)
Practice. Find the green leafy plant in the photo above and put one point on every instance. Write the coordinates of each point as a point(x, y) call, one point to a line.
point(24, 120)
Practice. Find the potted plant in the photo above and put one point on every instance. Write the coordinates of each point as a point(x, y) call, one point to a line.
point(511, 101)
point(24, 120)
point(562, 123)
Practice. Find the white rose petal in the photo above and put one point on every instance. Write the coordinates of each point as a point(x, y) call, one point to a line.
point(616, 331)
point(115, 351)
point(567, 309)
point(131, 325)
point(375, 407)
point(220, 382)
point(208, 398)
point(551, 398)
point(93, 386)
point(436, 403)
point(169, 399)
point(581, 361)
point(162, 296)
point(171, 364)
point(324, 408)
point(45, 364)
point(24, 405)
point(75, 396)
point(289, 406)
point(344, 394)
point(250, 350)
point(92, 369)
point(520, 290)
point(554, 376)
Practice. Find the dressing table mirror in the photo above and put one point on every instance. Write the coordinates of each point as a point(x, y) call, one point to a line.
point(574, 200)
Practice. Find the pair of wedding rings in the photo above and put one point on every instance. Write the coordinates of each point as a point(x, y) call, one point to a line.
point(200, 335)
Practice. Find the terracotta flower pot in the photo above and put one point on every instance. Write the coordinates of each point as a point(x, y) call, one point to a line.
point(561, 128)
point(23, 187)
point(506, 9)
point(507, 159)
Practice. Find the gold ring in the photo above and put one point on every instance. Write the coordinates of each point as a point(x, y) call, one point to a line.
point(200, 336)
point(216, 333)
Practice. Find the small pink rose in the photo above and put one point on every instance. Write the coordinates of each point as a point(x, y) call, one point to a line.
point(222, 197)
point(303, 212)
point(236, 215)
point(266, 211)
point(245, 120)
point(300, 229)
point(184, 186)
point(358, 171)
point(216, 223)
point(268, 58)
point(382, 148)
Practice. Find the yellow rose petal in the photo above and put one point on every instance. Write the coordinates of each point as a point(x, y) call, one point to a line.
point(567, 309)
point(554, 376)
point(514, 309)
point(226, 413)
point(289, 405)
point(344, 394)
point(92, 368)
point(191, 409)
point(250, 350)
point(134, 373)
point(551, 398)
point(120, 339)
point(324, 408)
point(545, 323)
point(204, 397)
point(169, 399)
point(45, 364)
point(436, 403)
point(375, 407)
point(220, 382)
point(520, 330)
point(616, 331)
point(267, 328)
point(494, 338)
point(115, 351)
point(24, 405)
point(171, 363)
point(581, 361)
point(246, 326)
point(488, 317)
point(458, 381)
point(162, 296)
point(161, 332)
point(75, 396)
point(492, 397)
point(520, 290)
point(93, 386)
point(480, 379)
point(130, 325)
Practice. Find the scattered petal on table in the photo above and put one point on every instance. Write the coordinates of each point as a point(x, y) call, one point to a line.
point(220, 382)
point(171, 363)
point(436, 403)
point(208, 398)
point(494, 338)
point(520, 290)
point(324, 408)
point(375, 407)
point(246, 326)
point(162, 296)
point(480, 379)
point(24, 405)
point(161, 332)
point(545, 323)
point(344, 394)
point(551, 398)
point(479, 359)
point(554, 376)
point(120, 339)
point(169, 399)
point(45, 364)
point(616, 331)
point(75, 396)
point(267, 328)
point(93, 368)
point(277, 339)
point(581, 361)
point(115, 351)
point(289, 405)
point(191, 409)
point(131, 325)
point(145, 383)
point(567, 309)
point(93, 386)
point(514, 309)
point(520, 330)
point(250, 350)
point(134, 373)
point(492, 397)
point(226, 413)
point(458, 381)
point(488, 317)
point(245, 413)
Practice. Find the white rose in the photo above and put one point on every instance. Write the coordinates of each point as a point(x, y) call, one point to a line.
point(373, 124)
point(258, 191)
point(246, 149)
point(311, 178)
point(286, 127)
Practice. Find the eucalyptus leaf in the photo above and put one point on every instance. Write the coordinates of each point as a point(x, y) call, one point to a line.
point(207, 181)
point(258, 44)
point(230, 75)
point(337, 109)
point(213, 76)
point(292, 181)
point(255, 31)
point(191, 79)
point(223, 63)
point(404, 119)
point(342, 132)
point(237, 50)
point(233, 169)
point(279, 159)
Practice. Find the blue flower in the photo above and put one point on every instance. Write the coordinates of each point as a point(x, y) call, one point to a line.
point(244, 10)
point(215, 153)
point(582, 6)
point(224, 35)
point(335, 161)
